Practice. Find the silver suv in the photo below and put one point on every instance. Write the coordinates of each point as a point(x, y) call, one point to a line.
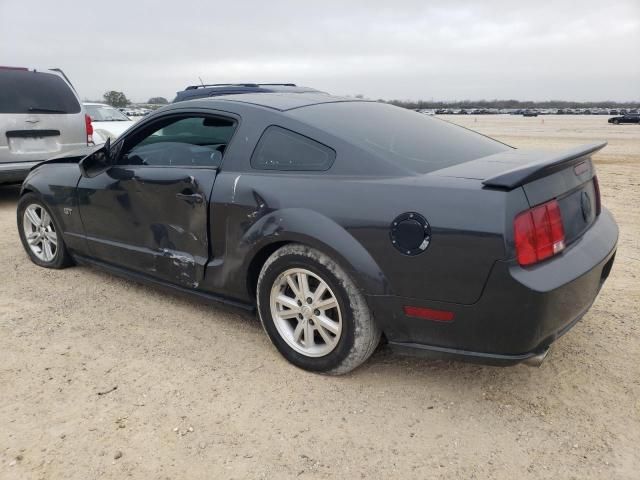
point(40, 116)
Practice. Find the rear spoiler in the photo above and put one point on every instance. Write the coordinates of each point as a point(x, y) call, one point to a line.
point(545, 164)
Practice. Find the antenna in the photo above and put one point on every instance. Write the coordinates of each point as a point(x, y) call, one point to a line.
point(201, 82)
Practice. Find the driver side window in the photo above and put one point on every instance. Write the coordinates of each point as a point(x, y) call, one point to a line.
point(195, 141)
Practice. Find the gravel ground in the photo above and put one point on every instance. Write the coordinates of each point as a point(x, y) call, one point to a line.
point(105, 378)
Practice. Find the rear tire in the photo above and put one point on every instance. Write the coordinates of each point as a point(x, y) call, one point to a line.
point(313, 312)
point(616, 122)
point(40, 233)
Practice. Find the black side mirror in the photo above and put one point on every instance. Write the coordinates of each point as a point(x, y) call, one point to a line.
point(97, 162)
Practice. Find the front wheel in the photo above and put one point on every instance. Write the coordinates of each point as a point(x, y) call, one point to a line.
point(40, 234)
point(313, 312)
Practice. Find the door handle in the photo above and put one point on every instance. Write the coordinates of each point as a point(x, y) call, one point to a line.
point(191, 198)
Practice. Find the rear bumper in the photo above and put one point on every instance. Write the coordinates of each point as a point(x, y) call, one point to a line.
point(440, 353)
point(521, 311)
point(15, 172)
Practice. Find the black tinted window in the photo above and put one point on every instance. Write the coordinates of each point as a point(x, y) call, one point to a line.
point(409, 140)
point(187, 142)
point(35, 92)
point(281, 149)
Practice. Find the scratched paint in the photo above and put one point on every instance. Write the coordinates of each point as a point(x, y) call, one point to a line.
point(235, 186)
point(182, 265)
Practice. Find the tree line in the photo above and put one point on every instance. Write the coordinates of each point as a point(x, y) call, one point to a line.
point(120, 100)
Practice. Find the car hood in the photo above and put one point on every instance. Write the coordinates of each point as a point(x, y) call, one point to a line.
point(73, 156)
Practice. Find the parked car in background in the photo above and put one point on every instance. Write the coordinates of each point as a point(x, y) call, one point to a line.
point(627, 118)
point(452, 243)
point(40, 116)
point(140, 112)
point(107, 121)
point(217, 89)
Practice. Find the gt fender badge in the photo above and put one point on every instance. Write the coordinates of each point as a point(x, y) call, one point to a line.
point(67, 210)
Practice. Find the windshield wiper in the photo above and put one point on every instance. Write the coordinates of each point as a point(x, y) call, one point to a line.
point(42, 109)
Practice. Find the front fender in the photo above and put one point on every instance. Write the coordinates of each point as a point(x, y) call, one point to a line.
point(55, 184)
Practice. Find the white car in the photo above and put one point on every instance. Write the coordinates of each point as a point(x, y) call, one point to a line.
point(108, 122)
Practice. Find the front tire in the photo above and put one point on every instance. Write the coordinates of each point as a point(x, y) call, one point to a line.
point(40, 234)
point(313, 312)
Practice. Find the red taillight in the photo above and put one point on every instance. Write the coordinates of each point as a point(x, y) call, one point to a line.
point(89, 127)
point(596, 187)
point(428, 313)
point(539, 233)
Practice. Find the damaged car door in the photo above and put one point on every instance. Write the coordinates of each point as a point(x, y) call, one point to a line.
point(149, 211)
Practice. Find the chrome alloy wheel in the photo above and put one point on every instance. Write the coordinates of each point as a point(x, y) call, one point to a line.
point(40, 232)
point(306, 312)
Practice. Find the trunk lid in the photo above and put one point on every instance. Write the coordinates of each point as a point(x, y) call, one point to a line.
point(568, 177)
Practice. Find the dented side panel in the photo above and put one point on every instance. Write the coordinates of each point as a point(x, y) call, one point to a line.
point(150, 219)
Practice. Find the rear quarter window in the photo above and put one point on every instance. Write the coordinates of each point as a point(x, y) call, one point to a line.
point(282, 149)
point(24, 91)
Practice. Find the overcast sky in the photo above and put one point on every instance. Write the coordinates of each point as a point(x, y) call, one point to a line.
point(442, 50)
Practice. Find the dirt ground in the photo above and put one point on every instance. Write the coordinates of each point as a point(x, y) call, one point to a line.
point(201, 393)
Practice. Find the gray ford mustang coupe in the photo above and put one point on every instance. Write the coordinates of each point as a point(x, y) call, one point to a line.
point(342, 221)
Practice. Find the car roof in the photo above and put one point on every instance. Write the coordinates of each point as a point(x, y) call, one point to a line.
point(202, 91)
point(51, 71)
point(280, 101)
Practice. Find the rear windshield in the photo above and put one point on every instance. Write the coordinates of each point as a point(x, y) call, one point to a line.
point(410, 140)
point(35, 92)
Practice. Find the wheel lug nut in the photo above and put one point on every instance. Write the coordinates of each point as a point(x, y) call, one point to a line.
point(300, 316)
point(299, 303)
point(310, 322)
point(316, 312)
point(309, 300)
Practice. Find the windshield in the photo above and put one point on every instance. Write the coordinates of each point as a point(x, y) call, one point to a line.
point(105, 113)
point(409, 140)
point(23, 91)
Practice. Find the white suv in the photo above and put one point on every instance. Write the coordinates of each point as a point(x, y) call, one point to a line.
point(40, 116)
